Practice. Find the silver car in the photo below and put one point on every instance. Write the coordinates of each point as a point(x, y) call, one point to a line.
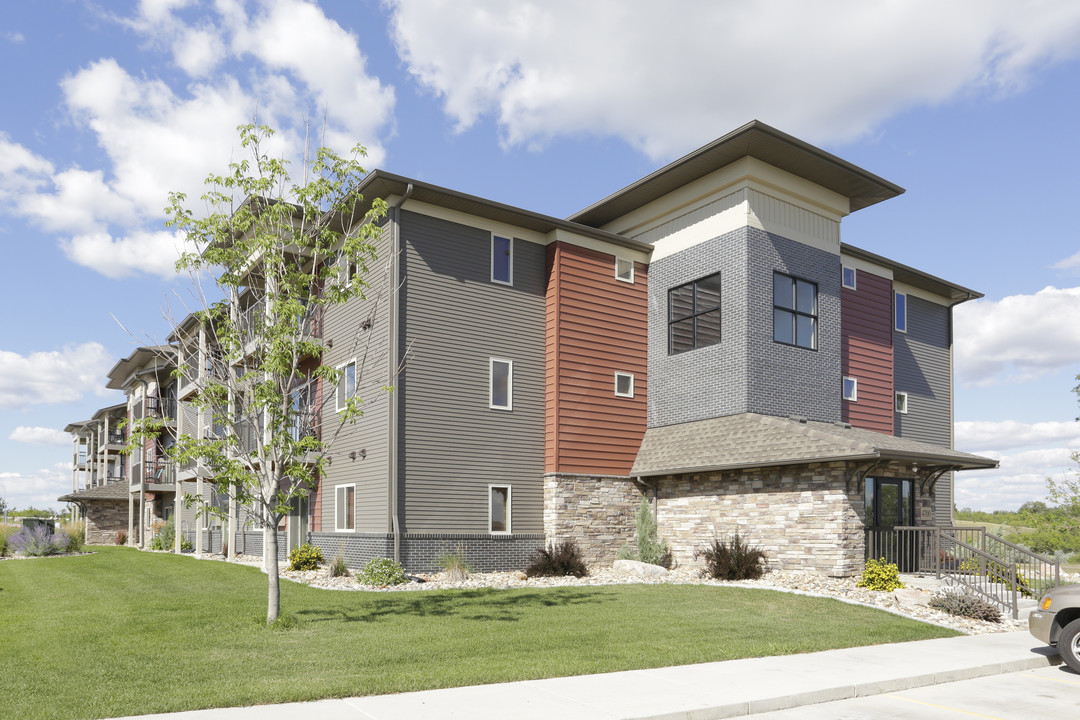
point(1056, 621)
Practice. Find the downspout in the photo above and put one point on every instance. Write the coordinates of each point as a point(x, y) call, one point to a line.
point(395, 311)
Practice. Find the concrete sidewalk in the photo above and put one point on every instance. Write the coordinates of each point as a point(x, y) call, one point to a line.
point(690, 692)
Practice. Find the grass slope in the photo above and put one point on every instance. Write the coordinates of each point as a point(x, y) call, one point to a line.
point(122, 632)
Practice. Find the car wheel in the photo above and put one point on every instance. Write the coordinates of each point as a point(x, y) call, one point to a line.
point(1069, 645)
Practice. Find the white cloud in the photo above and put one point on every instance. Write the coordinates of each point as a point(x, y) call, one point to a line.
point(16, 38)
point(160, 138)
point(40, 436)
point(39, 489)
point(1000, 435)
point(48, 378)
point(1070, 263)
point(826, 71)
point(1017, 338)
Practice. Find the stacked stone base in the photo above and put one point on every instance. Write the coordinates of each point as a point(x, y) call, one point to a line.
point(104, 520)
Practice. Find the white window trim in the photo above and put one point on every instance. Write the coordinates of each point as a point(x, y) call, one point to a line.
point(337, 503)
point(509, 384)
point(509, 509)
point(622, 279)
point(356, 380)
point(907, 399)
point(628, 375)
point(510, 268)
point(896, 317)
point(854, 276)
point(854, 389)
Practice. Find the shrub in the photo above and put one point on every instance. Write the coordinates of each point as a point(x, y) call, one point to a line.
point(455, 564)
point(121, 537)
point(76, 533)
point(965, 604)
point(880, 575)
point(5, 533)
point(998, 573)
point(732, 559)
point(338, 568)
point(381, 572)
point(557, 560)
point(39, 542)
point(166, 539)
point(305, 557)
point(650, 549)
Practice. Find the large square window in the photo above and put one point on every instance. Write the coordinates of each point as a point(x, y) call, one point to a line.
point(345, 508)
point(499, 508)
point(501, 374)
point(694, 314)
point(795, 311)
point(502, 260)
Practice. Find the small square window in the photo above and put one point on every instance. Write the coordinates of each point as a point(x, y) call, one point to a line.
point(900, 313)
point(501, 373)
point(345, 508)
point(624, 385)
point(848, 275)
point(901, 403)
point(499, 508)
point(346, 388)
point(624, 270)
point(502, 260)
point(851, 389)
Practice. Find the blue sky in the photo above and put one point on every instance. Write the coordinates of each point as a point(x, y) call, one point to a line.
point(549, 106)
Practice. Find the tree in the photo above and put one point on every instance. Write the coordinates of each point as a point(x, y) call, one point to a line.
point(1058, 528)
point(280, 253)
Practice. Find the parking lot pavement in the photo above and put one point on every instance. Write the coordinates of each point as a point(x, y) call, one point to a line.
point(1050, 693)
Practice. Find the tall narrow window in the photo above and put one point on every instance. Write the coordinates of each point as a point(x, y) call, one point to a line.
point(851, 389)
point(901, 403)
point(502, 384)
point(502, 260)
point(345, 508)
point(795, 311)
point(694, 314)
point(848, 277)
point(346, 388)
point(499, 508)
point(624, 270)
point(900, 312)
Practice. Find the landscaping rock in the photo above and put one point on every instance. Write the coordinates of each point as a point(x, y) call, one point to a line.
point(906, 597)
point(638, 569)
point(520, 575)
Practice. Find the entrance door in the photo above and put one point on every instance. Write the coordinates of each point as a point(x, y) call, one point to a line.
point(890, 503)
point(297, 526)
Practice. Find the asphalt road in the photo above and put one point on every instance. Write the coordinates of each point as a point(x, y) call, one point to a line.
point(1051, 693)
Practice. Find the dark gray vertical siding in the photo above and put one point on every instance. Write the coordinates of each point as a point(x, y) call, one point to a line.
point(923, 370)
point(453, 319)
point(343, 325)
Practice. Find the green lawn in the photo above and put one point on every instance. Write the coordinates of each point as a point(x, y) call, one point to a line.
point(122, 632)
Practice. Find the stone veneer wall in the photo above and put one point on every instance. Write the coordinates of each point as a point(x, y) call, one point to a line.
point(805, 517)
point(104, 518)
point(595, 511)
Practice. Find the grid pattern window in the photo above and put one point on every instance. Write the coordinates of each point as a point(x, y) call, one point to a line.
point(694, 315)
point(346, 388)
point(624, 385)
point(499, 508)
point(345, 508)
point(900, 311)
point(902, 403)
point(851, 389)
point(795, 311)
point(847, 275)
point(502, 260)
point(624, 270)
point(502, 384)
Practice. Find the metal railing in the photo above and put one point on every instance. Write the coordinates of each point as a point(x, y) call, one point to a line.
point(160, 472)
point(994, 568)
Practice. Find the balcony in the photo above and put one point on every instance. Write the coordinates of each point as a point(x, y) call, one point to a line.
point(156, 473)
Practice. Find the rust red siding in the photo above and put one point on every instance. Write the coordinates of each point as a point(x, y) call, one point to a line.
point(867, 351)
point(596, 325)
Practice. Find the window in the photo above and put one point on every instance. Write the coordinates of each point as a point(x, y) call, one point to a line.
point(345, 508)
point(900, 313)
point(624, 385)
point(624, 270)
point(848, 277)
point(901, 403)
point(499, 508)
point(502, 260)
point(694, 315)
point(346, 388)
point(851, 389)
point(304, 415)
point(794, 311)
point(502, 384)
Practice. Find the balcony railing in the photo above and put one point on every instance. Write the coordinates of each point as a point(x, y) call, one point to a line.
point(160, 472)
point(116, 437)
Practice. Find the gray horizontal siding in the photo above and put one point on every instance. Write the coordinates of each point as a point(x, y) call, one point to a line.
point(453, 319)
point(923, 369)
point(343, 325)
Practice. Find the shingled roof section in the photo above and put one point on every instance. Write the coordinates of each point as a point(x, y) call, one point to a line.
point(112, 491)
point(750, 440)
